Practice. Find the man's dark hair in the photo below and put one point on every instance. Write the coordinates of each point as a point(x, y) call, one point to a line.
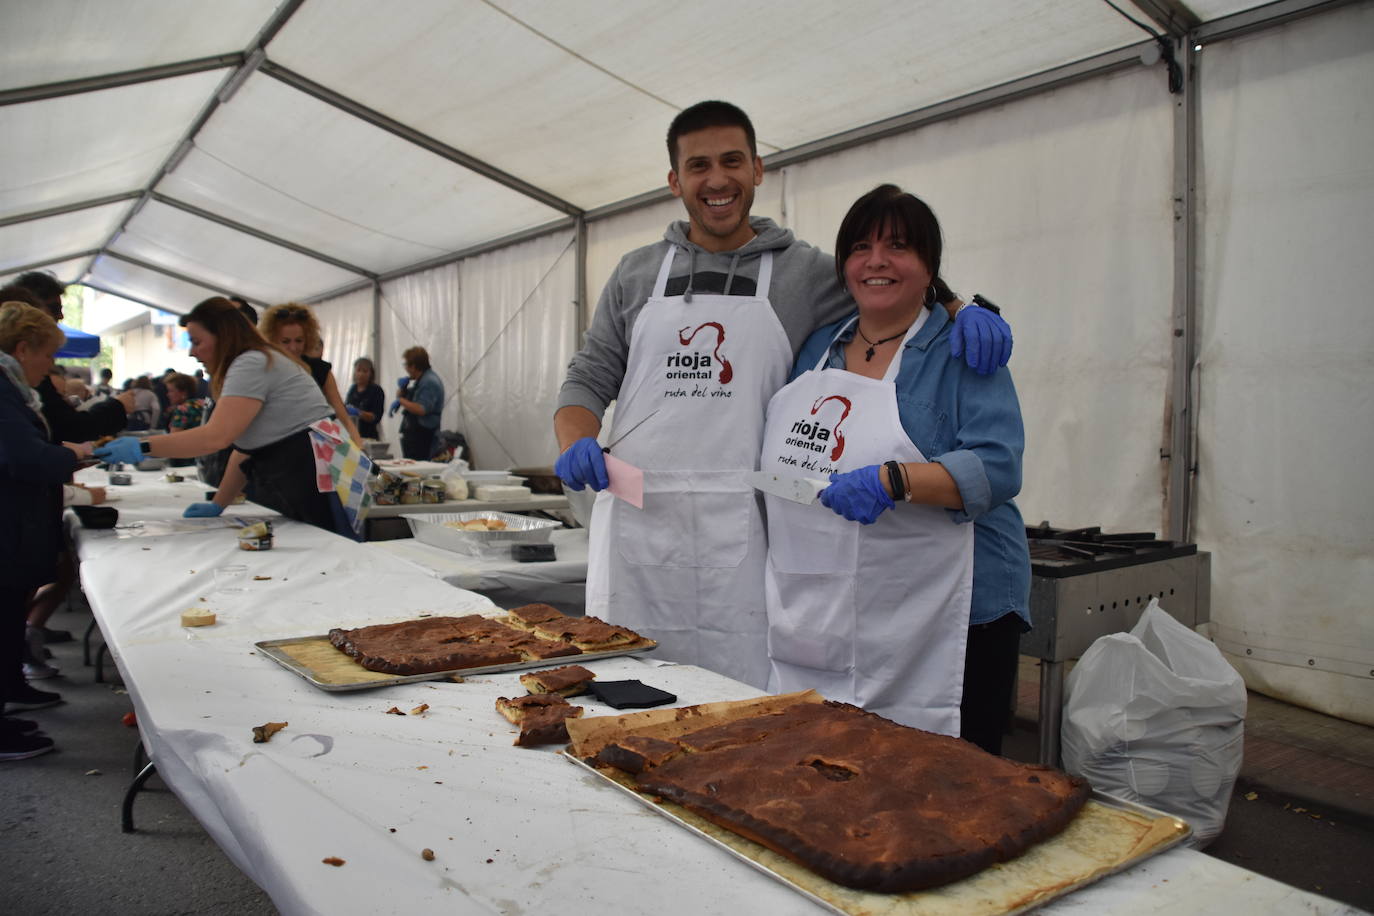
point(14, 292)
point(107, 373)
point(708, 114)
point(43, 283)
point(250, 312)
point(887, 208)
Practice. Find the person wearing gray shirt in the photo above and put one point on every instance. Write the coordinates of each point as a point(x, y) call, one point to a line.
point(265, 405)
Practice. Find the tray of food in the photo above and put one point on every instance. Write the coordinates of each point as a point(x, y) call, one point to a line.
point(434, 648)
point(480, 532)
point(865, 816)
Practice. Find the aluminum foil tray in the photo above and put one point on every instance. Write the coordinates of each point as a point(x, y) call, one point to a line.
point(432, 528)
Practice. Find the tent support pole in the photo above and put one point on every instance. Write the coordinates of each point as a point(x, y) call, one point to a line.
point(376, 323)
point(1182, 424)
point(580, 285)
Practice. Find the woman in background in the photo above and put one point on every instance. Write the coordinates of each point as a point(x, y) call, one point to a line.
point(266, 404)
point(365, 398)
point(293, 328)
point(32, 472)
point(186, 410)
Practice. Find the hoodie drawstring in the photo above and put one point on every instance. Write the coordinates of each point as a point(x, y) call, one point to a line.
point(691, 271)
point(730, 277)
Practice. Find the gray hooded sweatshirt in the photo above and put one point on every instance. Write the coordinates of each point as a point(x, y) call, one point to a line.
point(804, 293)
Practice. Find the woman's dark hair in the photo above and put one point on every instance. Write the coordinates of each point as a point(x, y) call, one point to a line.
point(362, 362)
point(234, 336)
point(704, 115)
point(244, 307)
point(417, 357)
point(888, 209)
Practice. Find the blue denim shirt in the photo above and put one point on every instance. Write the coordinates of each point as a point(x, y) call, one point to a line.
point(428, 392)
point(971, 424)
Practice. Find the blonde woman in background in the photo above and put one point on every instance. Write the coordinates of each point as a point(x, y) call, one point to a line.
point(32, 472)
point(293, 328)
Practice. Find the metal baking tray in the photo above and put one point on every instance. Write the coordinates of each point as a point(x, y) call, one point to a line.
point(431, 528)
point(915, 902)
point(273, 649)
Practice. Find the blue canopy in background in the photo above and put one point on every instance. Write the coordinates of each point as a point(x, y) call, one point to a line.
point(79, 345)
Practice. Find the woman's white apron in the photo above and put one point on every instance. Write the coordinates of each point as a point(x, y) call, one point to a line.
point(875, 615)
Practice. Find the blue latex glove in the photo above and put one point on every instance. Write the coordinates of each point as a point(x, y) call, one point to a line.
point(982, 338)
point(202, 510)
point(858, 495)
point(124, 450)
point(395, 406)
point(352, 411)
point(402, 382)
point(583, 465)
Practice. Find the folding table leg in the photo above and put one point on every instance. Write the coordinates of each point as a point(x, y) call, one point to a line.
point(126, 822)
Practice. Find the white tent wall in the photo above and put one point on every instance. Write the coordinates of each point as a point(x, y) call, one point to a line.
point(515, 336)
point(499, 330)
point(1057, 207)
point(1286, 391)
point(346, 326)
point(423, 310)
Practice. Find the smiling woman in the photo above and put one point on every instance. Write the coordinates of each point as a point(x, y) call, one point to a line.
point(885, 595)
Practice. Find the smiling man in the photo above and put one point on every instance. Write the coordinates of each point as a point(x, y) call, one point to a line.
point(691, 337)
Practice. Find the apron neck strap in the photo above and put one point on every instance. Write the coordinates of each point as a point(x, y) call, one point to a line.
point(765, 275)
point(664, 269)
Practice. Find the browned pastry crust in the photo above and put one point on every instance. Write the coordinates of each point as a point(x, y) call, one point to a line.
point(589, 634)
point(567, 681)
point(542, 717)
point(637, 753)
point(444, 644)
point(527, 615)
point(858, 799)
point(515, 710)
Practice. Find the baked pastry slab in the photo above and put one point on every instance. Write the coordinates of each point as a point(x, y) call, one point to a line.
point(362, 657)
point(1106, 836)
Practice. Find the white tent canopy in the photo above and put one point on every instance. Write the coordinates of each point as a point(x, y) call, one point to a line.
point(464, 174)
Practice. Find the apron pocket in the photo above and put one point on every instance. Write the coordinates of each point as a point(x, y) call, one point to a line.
point(698, 519)
point(811, 620)
point(810, 539)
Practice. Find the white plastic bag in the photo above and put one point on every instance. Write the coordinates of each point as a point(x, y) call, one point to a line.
point(1157, 716)
point(452, 475)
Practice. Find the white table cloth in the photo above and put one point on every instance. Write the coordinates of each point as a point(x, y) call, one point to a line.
point(513, 830)
point(561, 582)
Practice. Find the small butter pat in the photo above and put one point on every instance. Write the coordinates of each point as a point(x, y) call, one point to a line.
point(197, 617)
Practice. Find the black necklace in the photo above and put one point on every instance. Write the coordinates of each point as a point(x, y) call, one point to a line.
point(868, 354)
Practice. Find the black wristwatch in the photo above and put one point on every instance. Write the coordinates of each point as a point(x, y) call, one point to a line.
point(984, 303)
point(146, 446)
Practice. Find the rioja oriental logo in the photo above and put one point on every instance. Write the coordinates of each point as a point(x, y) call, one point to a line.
point(697, 365)
point(813, 435)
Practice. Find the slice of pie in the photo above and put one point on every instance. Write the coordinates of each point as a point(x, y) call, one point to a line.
point(567, 681)
point(590, 634)
point(527, 616)
point(541, 717)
